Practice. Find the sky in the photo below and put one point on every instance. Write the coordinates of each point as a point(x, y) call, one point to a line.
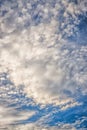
point(43, 64)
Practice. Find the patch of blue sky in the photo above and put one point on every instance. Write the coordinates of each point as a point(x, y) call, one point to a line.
point(80, 36)
point(41, 113)
point(1, 2)
point(68, 116)
point(55, 116)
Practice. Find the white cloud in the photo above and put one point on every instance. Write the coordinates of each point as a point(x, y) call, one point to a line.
point(37, 66)
point(34, 126)
point(70, 105)
point(82, 5)
point(35, 55)
point(42, 67)
point(10, 116)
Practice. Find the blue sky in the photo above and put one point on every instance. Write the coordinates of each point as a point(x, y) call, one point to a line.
point(43, 64)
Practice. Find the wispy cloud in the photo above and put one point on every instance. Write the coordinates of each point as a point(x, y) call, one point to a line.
point(10, 115)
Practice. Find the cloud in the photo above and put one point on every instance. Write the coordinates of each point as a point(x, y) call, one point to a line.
point(9, 115)
point(36, 54)
point(82, 5)
point(47, 65)
point(70, 105)
point(33, 126)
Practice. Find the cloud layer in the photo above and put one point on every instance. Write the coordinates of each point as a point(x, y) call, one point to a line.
point(40, 51)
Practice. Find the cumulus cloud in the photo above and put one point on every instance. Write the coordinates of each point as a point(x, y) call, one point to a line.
point(36, 58)
point(45, 70)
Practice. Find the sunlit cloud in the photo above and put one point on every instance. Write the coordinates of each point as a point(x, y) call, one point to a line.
point(10, 116)
point(36, 52)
